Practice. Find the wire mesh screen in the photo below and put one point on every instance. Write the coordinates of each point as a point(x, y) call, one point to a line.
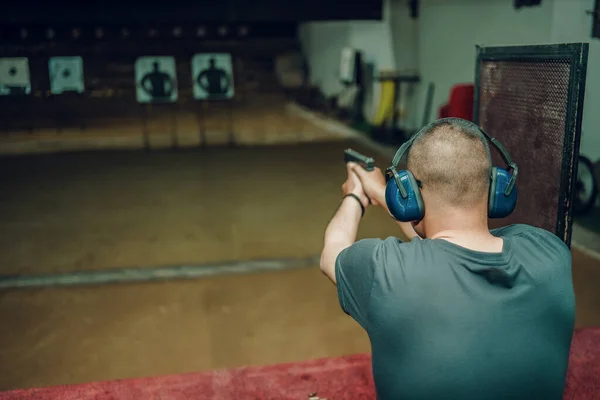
point(529, 99)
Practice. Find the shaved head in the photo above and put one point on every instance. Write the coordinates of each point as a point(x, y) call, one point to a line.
point(451, 158)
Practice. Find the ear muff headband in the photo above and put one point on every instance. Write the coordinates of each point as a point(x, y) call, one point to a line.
point(392, 172)
point(509, 162)
point(501, 149)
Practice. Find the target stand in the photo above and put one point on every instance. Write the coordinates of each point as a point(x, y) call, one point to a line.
point(212, 75)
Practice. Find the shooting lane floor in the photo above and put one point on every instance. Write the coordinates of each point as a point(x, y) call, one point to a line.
point(92, 211)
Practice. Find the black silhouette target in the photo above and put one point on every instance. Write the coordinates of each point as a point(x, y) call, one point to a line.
point(212, 75)
point(156, 80)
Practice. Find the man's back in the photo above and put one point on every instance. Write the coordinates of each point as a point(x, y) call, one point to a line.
point(448, 322)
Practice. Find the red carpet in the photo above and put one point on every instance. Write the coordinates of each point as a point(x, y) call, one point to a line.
point(335, 379)
point(583, 379)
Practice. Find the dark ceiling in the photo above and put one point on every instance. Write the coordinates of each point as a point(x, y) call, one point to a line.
point(179, 11)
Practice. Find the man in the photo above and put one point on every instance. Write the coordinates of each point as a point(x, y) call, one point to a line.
point(459, 311)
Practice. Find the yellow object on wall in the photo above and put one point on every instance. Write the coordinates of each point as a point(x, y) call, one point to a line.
point(385, 111)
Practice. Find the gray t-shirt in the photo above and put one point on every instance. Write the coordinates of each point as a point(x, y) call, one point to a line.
point(446, 322)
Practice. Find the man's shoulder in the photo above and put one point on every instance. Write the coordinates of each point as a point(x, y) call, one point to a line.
point(524, 230)
point(376, 246)
point(403, 250)
point(534, 236)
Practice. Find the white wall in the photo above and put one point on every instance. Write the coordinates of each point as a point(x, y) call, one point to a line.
point(451, 29)
point(441, 43)
point(406, 52)
point(374, 40)
point(405, 35)
point(322, 43)
point(466, 23)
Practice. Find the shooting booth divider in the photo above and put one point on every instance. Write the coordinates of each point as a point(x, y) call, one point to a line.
point(531, 99)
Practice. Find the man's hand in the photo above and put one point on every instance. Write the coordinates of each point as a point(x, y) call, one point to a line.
point(353, 184)
point(372, 182)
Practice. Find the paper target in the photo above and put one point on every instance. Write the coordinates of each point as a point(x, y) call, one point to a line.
point(14, 76)
point(66, 74)
point(156, 80)
point(213, 76)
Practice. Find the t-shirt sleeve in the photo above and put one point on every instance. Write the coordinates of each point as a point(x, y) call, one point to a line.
point(354, 272)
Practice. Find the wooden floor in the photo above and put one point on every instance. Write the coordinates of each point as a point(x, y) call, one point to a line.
point(91, 211)
point(258, 124)
point(109, 210)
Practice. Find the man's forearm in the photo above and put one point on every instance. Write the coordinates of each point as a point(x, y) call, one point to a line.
point(340, 234)
point(405, 227)
point(343, 227)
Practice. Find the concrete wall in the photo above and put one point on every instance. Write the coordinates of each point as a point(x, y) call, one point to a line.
point(405, 44)
point(322, 43)
point(466, 23)
point(450, 30)
point(440, 44)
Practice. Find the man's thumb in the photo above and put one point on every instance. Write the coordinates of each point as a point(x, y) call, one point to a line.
point(358, 170)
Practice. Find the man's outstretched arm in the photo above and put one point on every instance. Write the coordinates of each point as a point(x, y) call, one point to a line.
point(340, 234)
point(341, 231)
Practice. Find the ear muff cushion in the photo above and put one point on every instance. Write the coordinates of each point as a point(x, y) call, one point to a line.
point(417, 194)
point(492, 193)
point(409, 209)
point(501, 205)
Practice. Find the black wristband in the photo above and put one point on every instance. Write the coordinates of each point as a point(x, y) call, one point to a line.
point(362, 208)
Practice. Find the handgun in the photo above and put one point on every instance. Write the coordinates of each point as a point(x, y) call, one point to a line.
point(367, 163)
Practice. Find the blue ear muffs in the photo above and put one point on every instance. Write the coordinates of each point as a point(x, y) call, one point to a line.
point(503, 196)
point(403, 194)
point(406, 205)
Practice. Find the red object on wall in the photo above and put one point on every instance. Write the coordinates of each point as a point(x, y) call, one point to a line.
point(444, 111)
point(460, 103)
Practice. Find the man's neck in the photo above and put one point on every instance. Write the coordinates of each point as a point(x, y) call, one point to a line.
point(466, 228)
point(447, 221)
